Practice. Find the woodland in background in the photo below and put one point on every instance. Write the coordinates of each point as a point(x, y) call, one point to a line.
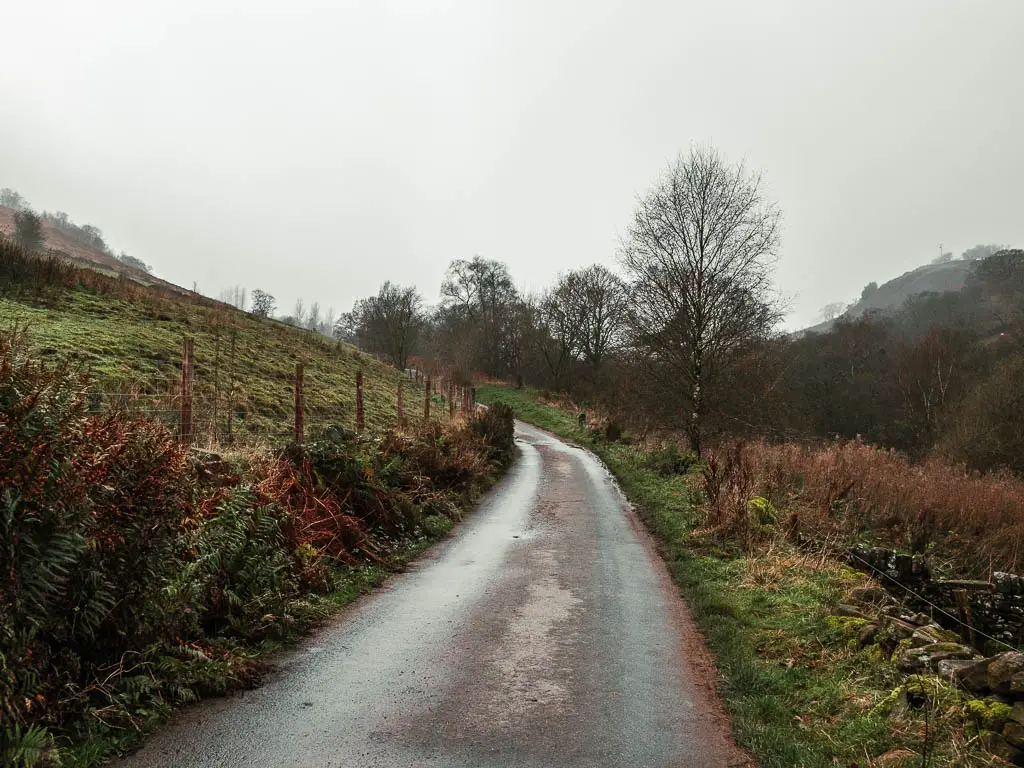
point(687, 340)
point(684, 338)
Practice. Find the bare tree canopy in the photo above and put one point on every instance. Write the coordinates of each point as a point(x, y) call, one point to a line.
point(558, 326)
point(389, 323)
point(28, 230)
point(299, 313)
point(602, 307)
point(831, 311)
point(700, 251)
point(132, 261)
point(580, 318)
point(479, 303)
point(236, 296)
point(12, 199)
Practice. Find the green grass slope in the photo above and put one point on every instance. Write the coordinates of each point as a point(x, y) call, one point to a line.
point(134, 345)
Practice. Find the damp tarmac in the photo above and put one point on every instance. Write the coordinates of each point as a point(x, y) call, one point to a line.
point(543, 632)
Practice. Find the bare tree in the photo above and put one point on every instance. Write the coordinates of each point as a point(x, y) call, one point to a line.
point(314, 316)
point(236, 296)
point(831, 311)
point(929, 374)
point(12, 199)
point(388, 323)
point(700, 251)
point(979, 252)
point(299, 314)
point(559, 326)
point(263, 303)
point(93, 236)
point(28, 230)
point(133, 262)
point(479, 302)
point(346, 327)
point(603, 311)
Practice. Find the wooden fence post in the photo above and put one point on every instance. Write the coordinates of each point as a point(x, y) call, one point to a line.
point(186, 390)
point(231, 388)
point(216, 382)
point(401, 404)
point(360, 416)
point(426, 399)
point(451, 399)
point(963, 605)
point(300, 403)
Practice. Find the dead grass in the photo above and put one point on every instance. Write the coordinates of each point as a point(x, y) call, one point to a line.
point(780, 566)
point(850, 490)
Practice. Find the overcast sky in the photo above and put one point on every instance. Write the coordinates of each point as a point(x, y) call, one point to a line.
point(316, 149)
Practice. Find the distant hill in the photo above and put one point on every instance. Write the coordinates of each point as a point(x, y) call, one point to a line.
point(890, 296)
point(931, 278)
point(85, 255)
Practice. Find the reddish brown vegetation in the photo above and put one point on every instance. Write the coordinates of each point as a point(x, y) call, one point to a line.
point(853, 490)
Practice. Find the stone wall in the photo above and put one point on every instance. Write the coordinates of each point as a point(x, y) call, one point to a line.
point(996, 607)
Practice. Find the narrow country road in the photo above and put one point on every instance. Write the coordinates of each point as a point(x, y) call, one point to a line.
point(544, 632)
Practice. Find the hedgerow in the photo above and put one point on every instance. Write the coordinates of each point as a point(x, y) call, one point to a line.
point(133, 580)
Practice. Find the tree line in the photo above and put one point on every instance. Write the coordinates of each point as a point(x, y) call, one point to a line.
point(682, 334)
point(685, 335)
point(657, 342)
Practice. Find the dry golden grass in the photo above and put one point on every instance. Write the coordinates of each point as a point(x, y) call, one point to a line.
point(781, 565)
point(974, 521)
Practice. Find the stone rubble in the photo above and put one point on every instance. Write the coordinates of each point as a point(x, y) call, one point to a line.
point(918, 646)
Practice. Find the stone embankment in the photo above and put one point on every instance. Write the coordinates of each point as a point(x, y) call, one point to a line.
point(993, 607)
point(990, 688)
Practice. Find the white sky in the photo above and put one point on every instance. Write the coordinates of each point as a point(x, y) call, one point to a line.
point(316, 149)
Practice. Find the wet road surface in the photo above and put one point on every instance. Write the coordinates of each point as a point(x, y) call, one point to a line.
point(544, 632)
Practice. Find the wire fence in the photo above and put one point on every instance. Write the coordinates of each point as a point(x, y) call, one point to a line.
point(219, 408)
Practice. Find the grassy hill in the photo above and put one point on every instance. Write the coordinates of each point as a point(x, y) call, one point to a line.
point(131, 336)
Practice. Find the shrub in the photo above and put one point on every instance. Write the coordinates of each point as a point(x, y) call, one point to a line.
point(241, 574)
point(669, 461)
point(613, 432)
point(89, 511)
point(762, 511)
point(436, 526)
point(496, 426)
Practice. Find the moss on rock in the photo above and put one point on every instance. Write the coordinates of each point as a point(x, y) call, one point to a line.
point(988, 714)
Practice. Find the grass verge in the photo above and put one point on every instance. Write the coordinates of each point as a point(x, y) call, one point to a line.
point(799, 691)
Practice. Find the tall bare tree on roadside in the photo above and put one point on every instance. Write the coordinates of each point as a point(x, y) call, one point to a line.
point(700, 251)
